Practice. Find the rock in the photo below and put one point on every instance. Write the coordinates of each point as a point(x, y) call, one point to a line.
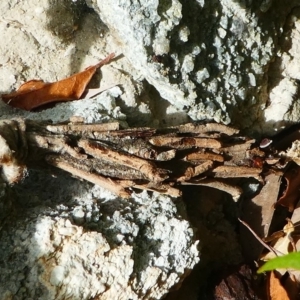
point(52, 41)
point(218, 40)
point(211, 59)
point(65, 238)
point(284, 77)
point(74, 240)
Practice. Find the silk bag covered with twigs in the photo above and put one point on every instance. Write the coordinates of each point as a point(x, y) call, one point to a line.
point(140, 158)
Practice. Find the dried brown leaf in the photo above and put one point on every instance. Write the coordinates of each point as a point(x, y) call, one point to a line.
point(281, 244)
point(258, 212)
point(36, 93)
point(275, 290)
point(292, 193)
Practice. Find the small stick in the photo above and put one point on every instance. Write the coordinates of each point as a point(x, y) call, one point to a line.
point(236, 172)
point(191, 172)
point(234, 191)
point(209, 127)
point(107, 183)
point(54, 144)
point(204, 156)
point(105, 61)
point(184, 142)
point(100, 151)
point(239, 147)
point(82, 128)
point(271, 249)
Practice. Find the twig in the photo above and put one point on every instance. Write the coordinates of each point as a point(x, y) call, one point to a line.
point(94, 178)
point(271, 249)
point(101, 151)
point(234, 191)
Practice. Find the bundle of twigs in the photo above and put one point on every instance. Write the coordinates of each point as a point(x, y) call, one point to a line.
point(121, 159)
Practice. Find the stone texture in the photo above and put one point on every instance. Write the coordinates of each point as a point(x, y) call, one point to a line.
point(283, 103)
point(211, 58)
point(77, 241)
point(51, 40)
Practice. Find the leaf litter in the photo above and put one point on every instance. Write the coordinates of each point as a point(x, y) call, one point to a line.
point(35, 93)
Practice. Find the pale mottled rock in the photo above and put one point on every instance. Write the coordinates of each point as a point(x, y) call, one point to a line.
point(79, 241)
point(222, 42)
point(62, 237)
point(214, 56)
point(283, 107)
point(68, 238)
point(51, 40)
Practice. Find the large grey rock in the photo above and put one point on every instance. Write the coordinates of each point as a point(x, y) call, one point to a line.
point(63, 238)
point(74, 240)
point(208, 58)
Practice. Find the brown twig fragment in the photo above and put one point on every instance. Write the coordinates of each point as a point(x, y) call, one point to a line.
point(239, 147)
point(208, 128)
point(101, 151)
point(204, 156)
point(91, 177)
point(233, 190)
point(196, 171)
point(271, 249)
point(82, 129)
point(184, 142)
point(236, 172)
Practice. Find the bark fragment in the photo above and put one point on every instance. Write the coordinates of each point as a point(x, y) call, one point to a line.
point(101, 151)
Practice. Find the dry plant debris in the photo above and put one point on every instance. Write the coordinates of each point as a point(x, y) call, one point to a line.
point(281, 283)
point(144, 158)
point(35, 93)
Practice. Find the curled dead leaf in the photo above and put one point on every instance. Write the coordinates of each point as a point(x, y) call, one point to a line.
point(281, 242)
point(35, 93)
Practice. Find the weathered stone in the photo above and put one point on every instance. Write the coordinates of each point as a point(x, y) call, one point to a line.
point(78, 241)
point(227, 39)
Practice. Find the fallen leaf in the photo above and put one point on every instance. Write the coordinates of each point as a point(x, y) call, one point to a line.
point(282, 244)
point(296, 221)
point(292, 193)
point(260, 205)
point(291, 286)
point(275, 290)
point(36, 93)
